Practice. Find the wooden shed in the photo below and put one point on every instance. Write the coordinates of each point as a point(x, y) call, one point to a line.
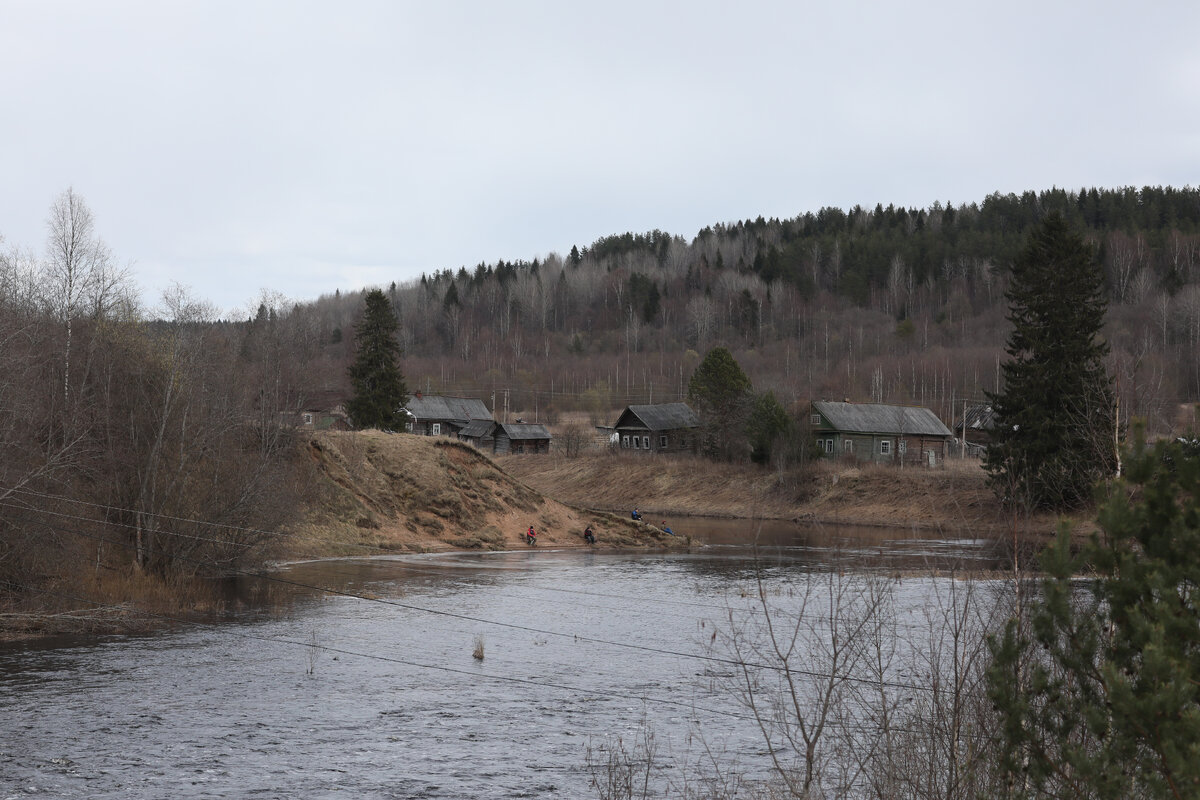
point(885, 434)
point(664, 427)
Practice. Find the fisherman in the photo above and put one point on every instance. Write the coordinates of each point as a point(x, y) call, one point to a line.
point(665, 529)
point(588, 536)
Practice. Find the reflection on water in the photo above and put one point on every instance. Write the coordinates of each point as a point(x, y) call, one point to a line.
point(579, 646)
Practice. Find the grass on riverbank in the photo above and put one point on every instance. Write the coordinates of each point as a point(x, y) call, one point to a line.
point(952, 497)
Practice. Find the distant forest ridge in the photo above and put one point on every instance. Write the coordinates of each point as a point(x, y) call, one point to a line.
point(861, 245)
point(887, 304)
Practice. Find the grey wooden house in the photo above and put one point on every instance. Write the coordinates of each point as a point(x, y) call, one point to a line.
point(521, 437)
point(663, 427)
point(435, 415)
point(503, 438)
point(885, 434)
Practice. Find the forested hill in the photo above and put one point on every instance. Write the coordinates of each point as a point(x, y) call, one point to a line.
point(892, 304)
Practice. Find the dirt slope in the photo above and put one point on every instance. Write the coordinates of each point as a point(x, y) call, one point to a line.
point(422, 494)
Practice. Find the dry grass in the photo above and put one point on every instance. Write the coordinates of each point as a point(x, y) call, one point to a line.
point(953, 496)
point(109, 600)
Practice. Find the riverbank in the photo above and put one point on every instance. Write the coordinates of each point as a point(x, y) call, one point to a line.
point(954, 497)
point(386, 493)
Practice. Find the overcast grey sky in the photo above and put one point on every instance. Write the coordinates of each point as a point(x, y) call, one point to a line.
point(303, 147)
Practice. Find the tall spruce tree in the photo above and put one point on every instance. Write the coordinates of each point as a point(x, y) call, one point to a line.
point(719, 391)
point(379, 389)
point(1054, 432)
point(1099, 695)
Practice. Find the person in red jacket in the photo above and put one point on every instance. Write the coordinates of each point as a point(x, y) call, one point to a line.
point(531, 536)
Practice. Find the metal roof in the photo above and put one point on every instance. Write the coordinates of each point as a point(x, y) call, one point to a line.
point(880, 418)
point(526, 430)
point(659, 417)
point(460, 409)
point(477, 428)
point(981, 418)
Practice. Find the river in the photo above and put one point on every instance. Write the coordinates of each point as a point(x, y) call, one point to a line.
point(304, 693)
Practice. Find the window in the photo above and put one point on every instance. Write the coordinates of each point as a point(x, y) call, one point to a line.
point(646, 442)
point(903, 446)
point(816, 419)
point(848, 445)
point(637, 442)
point(408, 427)
point(662, 442)
point(308, 419)
point(829, 445)
point(885, 448)
point(436, 429)
point(625, 441)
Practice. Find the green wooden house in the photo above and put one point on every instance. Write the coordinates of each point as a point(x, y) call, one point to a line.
point(884, 434)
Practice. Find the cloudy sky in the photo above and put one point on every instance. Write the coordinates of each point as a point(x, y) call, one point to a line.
point(304, 147)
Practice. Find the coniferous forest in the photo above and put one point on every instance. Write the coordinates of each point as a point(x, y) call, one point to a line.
point(889, 304)
point(117, 416)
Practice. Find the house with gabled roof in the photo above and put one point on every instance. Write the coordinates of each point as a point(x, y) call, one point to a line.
point(884, 434)
point(658, 428)
point(437, 415)
point(521, 437)
point(503, 438)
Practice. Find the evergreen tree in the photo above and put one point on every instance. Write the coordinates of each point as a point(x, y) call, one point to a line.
point(768, 427)
point(1054, 432)
point(719, 392)
point(1099, 696)
point(379, 389)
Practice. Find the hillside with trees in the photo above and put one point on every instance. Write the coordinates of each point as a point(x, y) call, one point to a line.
point(118, 417)
point(889, 304)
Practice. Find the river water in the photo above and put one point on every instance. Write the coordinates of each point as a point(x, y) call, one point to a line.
point(305, 693)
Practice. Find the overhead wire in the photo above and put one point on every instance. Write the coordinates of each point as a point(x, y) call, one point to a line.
point(740, 663)
point(374, 548)
point(536, 683)
point(540, 683)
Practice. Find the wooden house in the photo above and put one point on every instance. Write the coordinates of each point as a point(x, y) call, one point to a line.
point(481, 433)
point(504, 438)
point(521, 437)
point(885, 434)
point(976, 426)
point(435, 415)
point(320, 411)
point(664, 427)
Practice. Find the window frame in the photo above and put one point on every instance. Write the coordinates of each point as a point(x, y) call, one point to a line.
point(435, 429)
point(662, 441)
point(885, 447)
point(815, 419)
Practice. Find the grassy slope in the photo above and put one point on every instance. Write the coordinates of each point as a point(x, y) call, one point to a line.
point(953, 497)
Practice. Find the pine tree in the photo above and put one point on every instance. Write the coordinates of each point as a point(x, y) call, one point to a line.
point(379, 389)
point(1054, 433)
point(1100, 695)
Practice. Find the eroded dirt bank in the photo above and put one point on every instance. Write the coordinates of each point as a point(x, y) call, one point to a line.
point(420, 494)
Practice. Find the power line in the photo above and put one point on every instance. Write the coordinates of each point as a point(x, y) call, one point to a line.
point(285, 534)
point(224, 630)
point(740, 663)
